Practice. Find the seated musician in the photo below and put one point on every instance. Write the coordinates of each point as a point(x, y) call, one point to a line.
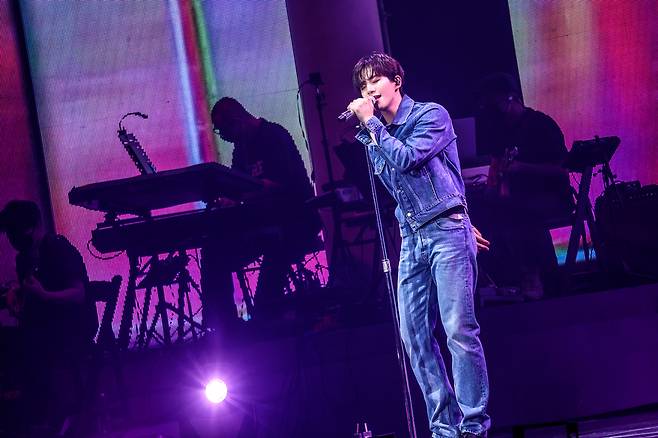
point(57, 319)
point(264, 150)
point(527, 184)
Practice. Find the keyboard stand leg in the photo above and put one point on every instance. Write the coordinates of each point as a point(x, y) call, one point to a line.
point(143, 326)
point(129, 303)
point(162, 313)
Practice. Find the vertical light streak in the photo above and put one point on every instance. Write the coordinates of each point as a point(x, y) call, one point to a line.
point(189, 111)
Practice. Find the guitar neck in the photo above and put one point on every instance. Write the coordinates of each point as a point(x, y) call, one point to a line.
point(136, 152)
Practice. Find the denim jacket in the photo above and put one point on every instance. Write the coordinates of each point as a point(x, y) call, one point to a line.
point(416, 159)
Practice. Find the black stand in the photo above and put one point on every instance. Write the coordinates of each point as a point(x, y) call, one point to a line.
point(172, 270)
point(129, 301)
point(316, 80)
point(340, 256)
point(386, 265)
point(582, 158)
point(159, 273)
point(583, 214)
point(339, 249)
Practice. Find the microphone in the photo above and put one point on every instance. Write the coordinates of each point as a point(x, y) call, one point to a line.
point(347, 114)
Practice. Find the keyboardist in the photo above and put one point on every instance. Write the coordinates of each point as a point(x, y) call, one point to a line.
point(264, 150)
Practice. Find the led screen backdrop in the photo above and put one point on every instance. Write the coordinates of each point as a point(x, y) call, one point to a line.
point(19, 174)
point(93, 61)
point(592, 65)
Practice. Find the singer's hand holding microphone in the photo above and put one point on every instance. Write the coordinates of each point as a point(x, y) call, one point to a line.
point(363, 108)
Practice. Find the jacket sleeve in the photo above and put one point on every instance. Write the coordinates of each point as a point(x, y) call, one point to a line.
point(432, 132)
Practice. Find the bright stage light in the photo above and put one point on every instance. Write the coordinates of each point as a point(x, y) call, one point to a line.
point(216, 391)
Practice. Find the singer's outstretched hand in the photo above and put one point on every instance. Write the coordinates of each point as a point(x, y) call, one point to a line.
point(362, 108)
point(481, 243)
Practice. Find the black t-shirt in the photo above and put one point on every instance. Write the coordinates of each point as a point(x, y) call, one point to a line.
point(57, 265)
point(537, 137)
point(538, 140)
point(272, 154)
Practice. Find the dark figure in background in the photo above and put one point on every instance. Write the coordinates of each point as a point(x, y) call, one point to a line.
point(527, 186)
point(266, 151)
point(57, 318)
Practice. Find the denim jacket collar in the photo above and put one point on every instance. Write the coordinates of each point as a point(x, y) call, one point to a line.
point(401, 116)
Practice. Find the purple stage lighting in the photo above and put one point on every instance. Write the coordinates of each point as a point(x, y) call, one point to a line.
point(216, 391)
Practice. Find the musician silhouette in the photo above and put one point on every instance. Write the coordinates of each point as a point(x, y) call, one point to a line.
point(527, 185)
point(57, 318)
point(264, 150)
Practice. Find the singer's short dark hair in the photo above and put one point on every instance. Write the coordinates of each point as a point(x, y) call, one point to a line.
point(375, 64)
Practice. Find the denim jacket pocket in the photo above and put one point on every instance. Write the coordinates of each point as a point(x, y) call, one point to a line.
point(448, 223)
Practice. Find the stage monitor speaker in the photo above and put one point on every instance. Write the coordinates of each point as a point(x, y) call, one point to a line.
point(626, 216)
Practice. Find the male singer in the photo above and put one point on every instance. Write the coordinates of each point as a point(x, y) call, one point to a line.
point(413, 150)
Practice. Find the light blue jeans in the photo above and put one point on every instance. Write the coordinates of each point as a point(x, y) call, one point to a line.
point(438, 271)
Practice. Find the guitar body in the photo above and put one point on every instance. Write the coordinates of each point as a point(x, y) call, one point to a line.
point(12, 298)
point(498, 177)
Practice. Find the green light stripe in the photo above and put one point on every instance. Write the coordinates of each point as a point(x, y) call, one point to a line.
point(205, 55)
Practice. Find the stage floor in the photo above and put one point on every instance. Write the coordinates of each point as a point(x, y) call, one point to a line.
point(556, 360)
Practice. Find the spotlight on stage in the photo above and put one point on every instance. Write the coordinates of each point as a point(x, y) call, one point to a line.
point(216, 391)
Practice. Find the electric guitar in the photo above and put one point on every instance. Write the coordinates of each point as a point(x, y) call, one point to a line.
point(12, 298)
point(498, 171)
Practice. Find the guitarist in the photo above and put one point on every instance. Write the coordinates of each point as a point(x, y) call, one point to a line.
point(57, 318)
point(527, 184)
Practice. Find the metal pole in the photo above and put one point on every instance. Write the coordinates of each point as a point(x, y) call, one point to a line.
point(386, 265)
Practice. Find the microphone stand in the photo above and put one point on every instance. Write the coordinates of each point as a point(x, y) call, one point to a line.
point(316, 80)
point(340, 256)
point(386, 265)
